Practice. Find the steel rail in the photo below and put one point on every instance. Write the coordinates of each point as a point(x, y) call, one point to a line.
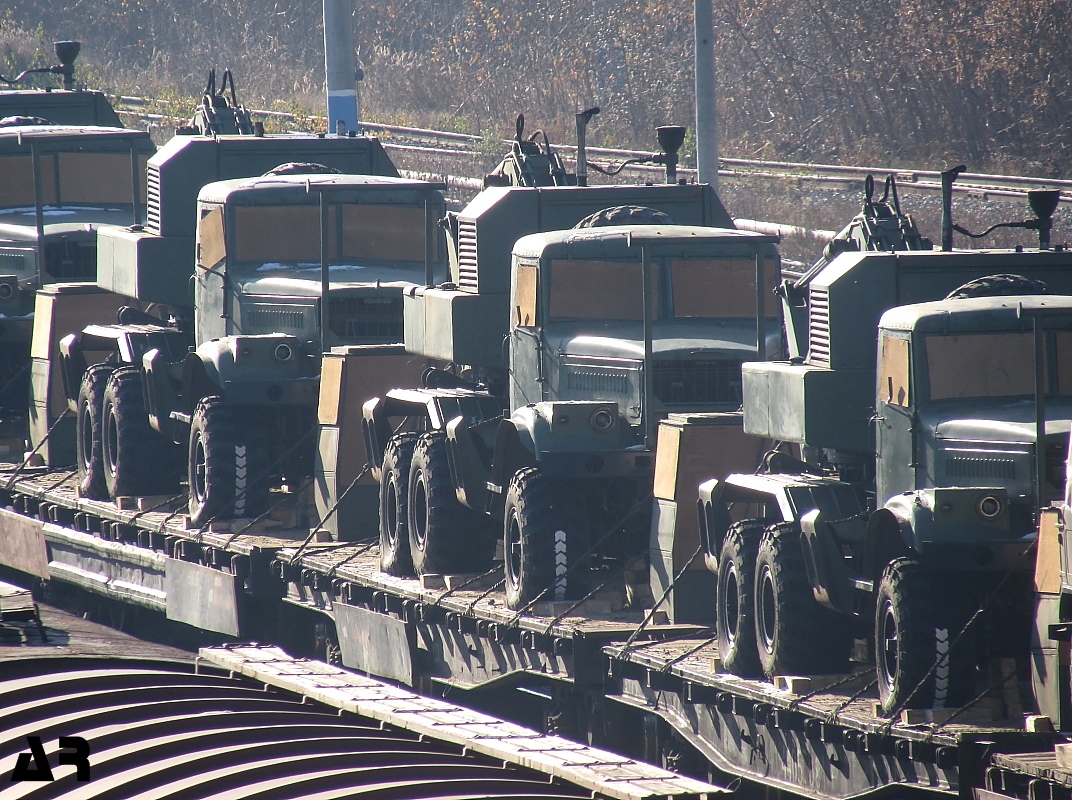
point(910, 179)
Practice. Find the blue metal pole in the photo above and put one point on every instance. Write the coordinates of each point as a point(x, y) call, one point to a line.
point(340, 66)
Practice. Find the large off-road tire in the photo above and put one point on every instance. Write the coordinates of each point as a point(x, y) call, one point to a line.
point(734, 603)
point(394, 500)
point(445, 537)
point(999, 285)
point(137, 460)
point(89, 432)
point(794, 634)
point(226, 456)
point(545, 536)
point(625, 215)
point(915, 626)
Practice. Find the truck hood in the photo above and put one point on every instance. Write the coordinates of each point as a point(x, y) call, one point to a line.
point(304, 279)
point(671, 339)
point(1011, 421)
point(20, 224)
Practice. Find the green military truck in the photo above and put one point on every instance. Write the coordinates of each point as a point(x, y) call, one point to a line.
point(905, 491)
point(287, 265)
point(540, 436)
point(148, 265)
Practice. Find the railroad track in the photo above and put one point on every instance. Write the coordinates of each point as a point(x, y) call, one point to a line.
point(473, 151)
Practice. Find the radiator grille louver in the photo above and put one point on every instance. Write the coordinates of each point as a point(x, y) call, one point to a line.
point(597, 380)
point(152, 193)
point(698, 382)
point(819, 327)
point(467, 273)
point(965, 467)
point(13, 262)
point(274, 320)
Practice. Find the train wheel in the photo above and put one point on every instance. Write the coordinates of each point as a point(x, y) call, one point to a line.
point(444, 536)
point(545, 535)
point(915, 628)
point(735, 606)
point(89, 430)
point(225, 453)
point(795, 635)
point(394, 495)
point(137, 460)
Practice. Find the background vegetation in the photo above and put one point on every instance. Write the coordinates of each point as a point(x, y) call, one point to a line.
point(904, 83)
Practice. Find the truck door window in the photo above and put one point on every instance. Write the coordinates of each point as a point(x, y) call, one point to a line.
point(720, 287)
point(588, 289)
point(525, 300)
point(894, 372)
point(211, 238)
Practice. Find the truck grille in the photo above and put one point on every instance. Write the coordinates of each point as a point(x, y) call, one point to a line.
point(698, 382)
point(1056, 456)
point(819, 326)
point(965, 467)
point(467, 274)
point(371, 320)
point(71, 261)
point(152, 193)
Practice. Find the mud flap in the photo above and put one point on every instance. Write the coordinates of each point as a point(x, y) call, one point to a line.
point(376, 644)
point(201, 596)
point(467, 470)
point(825, 564)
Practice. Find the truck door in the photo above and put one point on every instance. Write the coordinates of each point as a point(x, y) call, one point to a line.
point(894, 417)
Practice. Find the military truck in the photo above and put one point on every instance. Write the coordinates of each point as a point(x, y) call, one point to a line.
point(909, 500)
point(541, 436)
point(149, 265)
point(288, 265)
point(66, 106)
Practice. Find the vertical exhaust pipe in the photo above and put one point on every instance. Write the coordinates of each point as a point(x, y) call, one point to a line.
point(583, 118)
point(948, 177)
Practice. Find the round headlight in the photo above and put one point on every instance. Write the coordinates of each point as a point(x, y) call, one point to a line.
point(603, 420)
point(6, 291)
point(989, 507)
point(283, 353)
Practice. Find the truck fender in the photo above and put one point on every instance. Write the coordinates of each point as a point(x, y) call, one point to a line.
point(886, 539)
point(376, 428)
point(160, 395)
point(714, 521)
point(199, 379)
point(825, 564)
point(513, 451)
point(468, 471)
point(717, 496)
point(72, 367)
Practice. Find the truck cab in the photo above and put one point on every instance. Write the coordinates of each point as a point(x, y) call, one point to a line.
point(961, 423)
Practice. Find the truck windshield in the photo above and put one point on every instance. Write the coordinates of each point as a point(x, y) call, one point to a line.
point(705, 288)
point(70, 179)
point(289, 235)
point(995, 364)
